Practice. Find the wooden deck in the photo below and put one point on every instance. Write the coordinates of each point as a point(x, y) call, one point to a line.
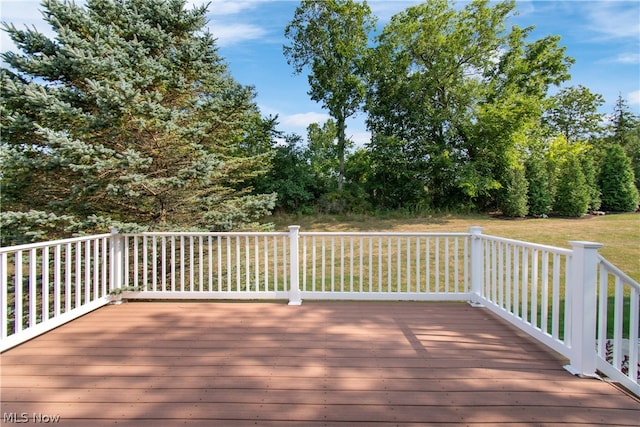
point(319, 364)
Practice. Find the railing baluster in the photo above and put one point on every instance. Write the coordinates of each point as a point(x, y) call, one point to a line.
point(446, 265)
point(4, 295)
point(389, 258)
point(57, 280)
point(163, 265)
point(516, 281)
point(399, 265)
point(18, 293)
point(408, 264)
point(173, 264)
point(351, 272)
point(341, 264)
point(427, 260)
point(256, 255)
point(618, 322)
point(333, 264)
point(275, 263)
point(555, 310)
point(210, 263)
point(145, 262)
point(200, 264)
point(238, 264)
point(313, 263)
point(544, 298)
point(456, 265)
point(534, 288)
point(67, 278)
point(78, 274)
point(87, 271)
point(525, 285)
point(266, 266)
point(219, 239)
point(33, 311)
point(96, 269)
point(436, 263)
point(380, 286)
point(634, 322)
point(192, 264)
point(361, 265)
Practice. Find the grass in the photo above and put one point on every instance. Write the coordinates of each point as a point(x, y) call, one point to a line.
point(620, 234)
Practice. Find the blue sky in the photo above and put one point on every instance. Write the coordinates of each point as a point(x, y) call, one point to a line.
point(602, 36)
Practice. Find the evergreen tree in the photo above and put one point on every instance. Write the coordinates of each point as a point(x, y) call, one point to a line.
point(625, 131)
point(619, 193)
point(128, 118)
point(572, 196)
point(513, 200)
point(540, 195)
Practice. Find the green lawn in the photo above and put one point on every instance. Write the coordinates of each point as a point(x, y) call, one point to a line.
point(620, 234)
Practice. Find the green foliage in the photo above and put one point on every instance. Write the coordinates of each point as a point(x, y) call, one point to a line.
point(574, 114)
point(513, 198)
point(625, 131)
point(540, 193)
point(451, 92)
point(330, 37)
point(616, 179)
point(129, 116)
point(572, 195)
point(591, 180)
point(291, 177)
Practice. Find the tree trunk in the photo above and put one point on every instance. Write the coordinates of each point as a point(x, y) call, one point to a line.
point(341, 145)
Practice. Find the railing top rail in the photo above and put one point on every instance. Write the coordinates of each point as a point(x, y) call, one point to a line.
point(554, 249)
point(205, 233)
point(616, 271)
point(37, 245)
point(379, 234)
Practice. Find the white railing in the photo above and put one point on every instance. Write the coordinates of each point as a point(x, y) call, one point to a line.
point(572, 300)
point(385, 266)
point(527, 284)
point(44, 285)
point(618, 319)
point(248, 265)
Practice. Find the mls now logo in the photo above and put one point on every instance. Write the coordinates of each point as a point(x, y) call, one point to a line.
point(25, 417)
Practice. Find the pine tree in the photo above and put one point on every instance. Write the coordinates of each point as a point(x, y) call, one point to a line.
point(619, 193)
point(572, 196)
point(513, 200)
point(540, 196)
point(128, 118)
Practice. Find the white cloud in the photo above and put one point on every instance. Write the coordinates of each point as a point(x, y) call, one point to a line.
point(634, 98)
point(229, 34)
point(628, 58)
point(614, 19)
point(302, 120)
point(360, 139)
point(226, 7)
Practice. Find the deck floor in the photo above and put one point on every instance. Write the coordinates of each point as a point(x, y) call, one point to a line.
point(319, 364)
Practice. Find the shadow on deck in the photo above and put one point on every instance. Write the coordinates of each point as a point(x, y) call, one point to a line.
point(322, 363)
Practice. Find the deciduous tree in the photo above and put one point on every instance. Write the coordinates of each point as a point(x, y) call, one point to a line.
point(330, 37)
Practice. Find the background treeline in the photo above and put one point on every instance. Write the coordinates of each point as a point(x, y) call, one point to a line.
point(129, 118)
point(550, 175)
point(461, 118)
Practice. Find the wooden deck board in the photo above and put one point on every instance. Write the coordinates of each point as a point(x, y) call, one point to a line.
point(332, 363)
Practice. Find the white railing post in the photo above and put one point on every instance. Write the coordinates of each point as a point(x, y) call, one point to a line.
point(295, 297)
point(116, 255)
point(477, 266)
point(583, 308)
